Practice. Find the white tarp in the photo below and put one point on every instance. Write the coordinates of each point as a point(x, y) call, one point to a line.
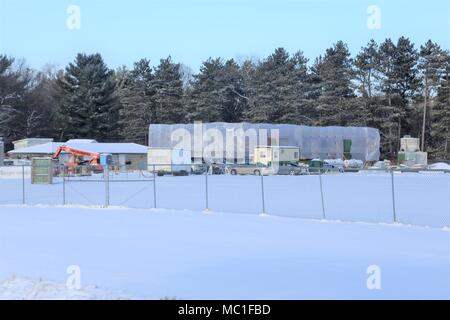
point(314, 142)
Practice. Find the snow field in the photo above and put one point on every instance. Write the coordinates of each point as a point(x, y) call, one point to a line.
point(195, 255)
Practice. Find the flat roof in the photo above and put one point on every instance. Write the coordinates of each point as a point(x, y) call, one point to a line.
point(33, 139)
point(113, 148)
point(285, 147)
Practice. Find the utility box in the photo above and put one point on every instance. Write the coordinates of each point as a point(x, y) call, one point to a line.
point(41, 171)
point(278, 154)
point(408, 144)
point(106, 159)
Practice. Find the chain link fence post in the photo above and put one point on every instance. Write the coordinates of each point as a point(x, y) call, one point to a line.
point(262, 194)
point(321, 195)
point(23, 184)
point(64, 184)
point(393, 195)
point(154, 186)
point(206, 189)
point(106, 170)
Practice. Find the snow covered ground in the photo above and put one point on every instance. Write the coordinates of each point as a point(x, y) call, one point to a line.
point(132, 251)
point(145, 253)
point(28, 289)
point(420, 198)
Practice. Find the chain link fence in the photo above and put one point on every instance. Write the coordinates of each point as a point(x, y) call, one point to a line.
point(381, 196)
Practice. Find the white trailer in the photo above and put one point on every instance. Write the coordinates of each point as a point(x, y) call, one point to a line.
point(168, 160)
point(276, 154)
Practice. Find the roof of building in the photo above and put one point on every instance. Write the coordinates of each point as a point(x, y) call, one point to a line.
point(114, 148)
point(33, 139)
point(81, 141)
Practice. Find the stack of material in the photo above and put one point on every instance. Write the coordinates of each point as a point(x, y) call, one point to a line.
point(410, 154)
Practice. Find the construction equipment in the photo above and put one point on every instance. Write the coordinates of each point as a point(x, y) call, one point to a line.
point(80, 161)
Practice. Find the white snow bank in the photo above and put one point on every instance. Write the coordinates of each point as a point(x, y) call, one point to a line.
point(440, 166)
point(14, 172)
point(27, 289)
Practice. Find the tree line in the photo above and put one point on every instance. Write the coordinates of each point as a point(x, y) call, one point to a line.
point(392, 86)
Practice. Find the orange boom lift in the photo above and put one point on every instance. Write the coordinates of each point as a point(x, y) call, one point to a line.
point(77, 157)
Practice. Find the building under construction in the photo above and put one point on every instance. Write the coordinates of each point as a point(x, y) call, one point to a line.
point(360, 143)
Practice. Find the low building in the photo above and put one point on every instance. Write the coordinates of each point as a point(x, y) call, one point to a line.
point(30, 142)
point(132, 155)
point(214, 140)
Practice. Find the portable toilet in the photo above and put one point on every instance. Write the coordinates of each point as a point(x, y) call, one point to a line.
point(105, 159)
point(42, 171)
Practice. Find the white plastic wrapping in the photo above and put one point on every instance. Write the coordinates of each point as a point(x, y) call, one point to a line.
point(314, 142)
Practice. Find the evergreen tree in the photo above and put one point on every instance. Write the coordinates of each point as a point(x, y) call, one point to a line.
point(268, 88)
point(367, 77)
point(300, 94)
point(218, 92)
point(335, 73)
point(205, 100)
point(168, 97)
point(398, 83)
point(136, 93)
point(432, 67)
point(88, 103)
point(441, 113)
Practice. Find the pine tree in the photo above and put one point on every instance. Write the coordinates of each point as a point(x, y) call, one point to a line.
point(87, 99)
point(218, 92)
point(335, 73)
point(301, 93)
point(268, 88)
point(168, 98)
point(205, 100)
point(136, 93)
point(367, 78)
point(432, 67)
point(441, 113)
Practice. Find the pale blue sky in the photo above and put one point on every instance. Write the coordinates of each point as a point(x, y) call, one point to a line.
point(193, 30)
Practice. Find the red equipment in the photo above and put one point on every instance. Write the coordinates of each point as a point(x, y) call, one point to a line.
point(78, 156)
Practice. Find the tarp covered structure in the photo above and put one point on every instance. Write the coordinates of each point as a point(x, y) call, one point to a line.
point(314, 142)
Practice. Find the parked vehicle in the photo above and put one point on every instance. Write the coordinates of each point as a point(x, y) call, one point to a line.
point(292, 169)
point(199, 168)
point(325, 166)
point(216, 169)
point(169, 161)
point(254, 169)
